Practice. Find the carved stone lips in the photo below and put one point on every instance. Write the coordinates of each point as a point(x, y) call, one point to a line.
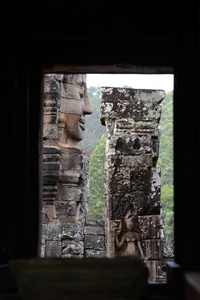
point(82, 123)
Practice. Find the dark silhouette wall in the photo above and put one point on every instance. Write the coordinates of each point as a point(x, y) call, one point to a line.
point(78, 36)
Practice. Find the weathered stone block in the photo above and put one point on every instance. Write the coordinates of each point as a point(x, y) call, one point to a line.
point(51, 178)
point(71, 161)
point(71, 149)
point(70, 91)
point(50, 211)
point(94, 242)
point(85, 193)
point(154, 196)
point(100, 243)
point(129, 127)
point(127, 109)
point(140, 179)
point(152, 249)
point(154, 203)
point(72, 231)
point(81, 211)
point(49, 192)
point(51, 168)
point(51, 158)
point(168, 251)
point(139, 202)
point(155, 270)
point(137, 161)
point(124, 180)
point(72, 248)
point(44, 219)
point(54, 230)
point(50, 131)
point(118, 180)
point(118, 204)
point(89, 241)
point(69, 176)
point(149, 226)
point(51, 150)
point(50, 117)
point(67, 208)
point(116, 94)
point(53, 249)
point(94, 230)
point(155, 149)
point(43, 233)
point(68, 192)
point(71, 106)
point(51, 85)
point(42, 251)
point(130, 103)
point(131, 145)
point(94, 253)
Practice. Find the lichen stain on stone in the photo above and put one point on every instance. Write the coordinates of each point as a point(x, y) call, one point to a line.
point(132, 179)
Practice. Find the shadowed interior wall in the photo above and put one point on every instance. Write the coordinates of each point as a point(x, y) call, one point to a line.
point(157, 36)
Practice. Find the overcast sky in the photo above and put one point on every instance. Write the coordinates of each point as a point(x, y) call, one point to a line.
point(137, 81)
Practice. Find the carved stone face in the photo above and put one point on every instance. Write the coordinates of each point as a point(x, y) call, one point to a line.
point(73, 108)
point(129, 224)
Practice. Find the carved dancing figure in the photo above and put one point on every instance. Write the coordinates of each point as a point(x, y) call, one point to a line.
point(131, 237)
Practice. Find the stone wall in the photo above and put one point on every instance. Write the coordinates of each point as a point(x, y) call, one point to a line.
point(131, 177)
point(72, 198)
point(65, 174)
point(50, 227)
point(94, 241)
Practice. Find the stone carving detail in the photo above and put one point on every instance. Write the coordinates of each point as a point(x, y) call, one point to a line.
point(132, 179)
point(94, 241)
point(73, 108)
point(130, 242)
point(65, 165)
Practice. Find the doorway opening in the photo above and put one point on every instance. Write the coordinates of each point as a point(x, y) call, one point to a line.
point(70, 239)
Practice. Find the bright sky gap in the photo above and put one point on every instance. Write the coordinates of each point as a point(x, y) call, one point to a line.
point(137, 81)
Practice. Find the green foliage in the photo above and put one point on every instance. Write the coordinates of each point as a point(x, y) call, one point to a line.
point(167, 195)
point(96, 205)
point(165, 162)
point(93, 129)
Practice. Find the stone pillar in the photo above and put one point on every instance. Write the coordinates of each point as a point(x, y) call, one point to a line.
point(94, 240)
point(65, 165)
point(72, 199)
point(51, 164)
point(51, 105)
point(131, 177)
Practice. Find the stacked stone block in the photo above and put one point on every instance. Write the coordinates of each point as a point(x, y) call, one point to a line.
point(72, 200)
point(65, 181)
point(51, 105)
point(50, 227)
point(131, 177)
point(94, 242)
